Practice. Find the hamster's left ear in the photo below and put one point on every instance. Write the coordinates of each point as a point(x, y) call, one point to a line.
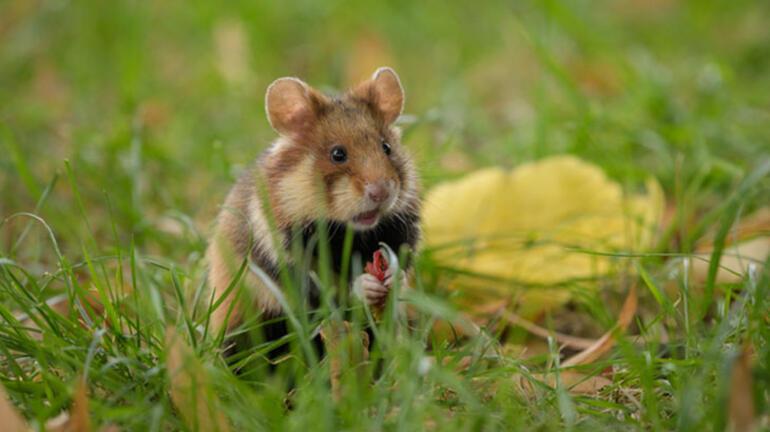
point(383, 92)
point(292, 106)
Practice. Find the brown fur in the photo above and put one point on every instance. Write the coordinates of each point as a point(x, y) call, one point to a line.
point(301, 182)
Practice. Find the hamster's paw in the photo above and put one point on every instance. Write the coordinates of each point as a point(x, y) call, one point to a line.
point(371, 290)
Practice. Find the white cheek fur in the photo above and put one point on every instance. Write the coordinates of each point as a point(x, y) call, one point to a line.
point(346, 201)
point(300, 190)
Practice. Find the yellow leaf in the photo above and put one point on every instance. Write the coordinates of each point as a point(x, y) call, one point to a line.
point(508, 229)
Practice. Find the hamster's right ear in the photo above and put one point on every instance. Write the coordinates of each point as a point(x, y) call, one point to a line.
point(292, 106)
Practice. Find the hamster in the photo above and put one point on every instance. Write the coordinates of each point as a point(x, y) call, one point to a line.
point(336, 159)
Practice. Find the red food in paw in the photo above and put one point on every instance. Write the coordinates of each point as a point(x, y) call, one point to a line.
point(378, 267)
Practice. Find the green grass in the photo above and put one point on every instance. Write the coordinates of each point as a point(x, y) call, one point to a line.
point(123, 124)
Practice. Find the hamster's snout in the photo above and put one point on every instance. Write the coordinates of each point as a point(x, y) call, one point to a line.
point(378, 192)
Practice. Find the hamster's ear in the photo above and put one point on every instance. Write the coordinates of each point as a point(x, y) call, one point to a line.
point(292, 106)
point(384, 93)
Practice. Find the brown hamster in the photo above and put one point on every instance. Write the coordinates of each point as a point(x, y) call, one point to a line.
point(338, 160)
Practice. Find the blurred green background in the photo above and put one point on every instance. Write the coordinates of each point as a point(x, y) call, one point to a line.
point(157, 105)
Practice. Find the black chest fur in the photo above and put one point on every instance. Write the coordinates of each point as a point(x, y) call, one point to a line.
point(396, 230)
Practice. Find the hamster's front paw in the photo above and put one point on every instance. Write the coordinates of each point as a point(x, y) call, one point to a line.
point(371, 290)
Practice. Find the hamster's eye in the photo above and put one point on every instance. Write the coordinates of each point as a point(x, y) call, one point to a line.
point(339, 155)
point(386, 147)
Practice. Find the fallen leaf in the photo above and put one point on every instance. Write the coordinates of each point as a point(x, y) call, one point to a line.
point(574, 382)
point(742, 415)
point(460, 364)
point(58, 423)
point(501, 230)
point(735, 261)
point(61, 305)
point(563, 339)
point(607, 341)
point(81, 421)
point(10, 417)
point(747, 228)
point(77, 420)
point(190, 389)
point(748, 243)
point(346, 351)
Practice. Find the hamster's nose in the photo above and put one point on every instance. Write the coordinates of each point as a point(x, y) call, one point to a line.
point(378, 192)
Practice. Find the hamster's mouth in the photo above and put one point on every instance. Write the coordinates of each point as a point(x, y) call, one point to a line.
point(367, 219)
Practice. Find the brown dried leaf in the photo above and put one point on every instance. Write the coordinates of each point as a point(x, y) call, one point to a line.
point(742, 415)
point(748, 242)
point(735, 260)
point(61, 305)
point(80, 422)
point(564, 339)
point(747, 228)
point(190, 388)
point(574, 382)
point(461, 364)
point(10, 417)
point(607, 341)
point(77, 420)
point(345, 350)
point(58, 423)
